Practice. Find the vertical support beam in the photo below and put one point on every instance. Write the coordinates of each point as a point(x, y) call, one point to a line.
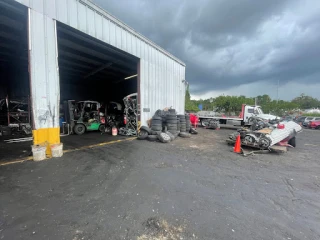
point(138, 91)
point(44, 78)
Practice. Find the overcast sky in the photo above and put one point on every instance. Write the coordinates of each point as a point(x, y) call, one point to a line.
point(234, 47)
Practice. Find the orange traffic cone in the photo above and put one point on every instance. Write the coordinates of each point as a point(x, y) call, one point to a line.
point(237, 146)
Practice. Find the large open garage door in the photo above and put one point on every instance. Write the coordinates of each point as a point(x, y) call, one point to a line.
point(15, 115)
point(94, 76)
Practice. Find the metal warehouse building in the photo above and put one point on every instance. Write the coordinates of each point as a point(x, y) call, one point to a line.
point(72, 49)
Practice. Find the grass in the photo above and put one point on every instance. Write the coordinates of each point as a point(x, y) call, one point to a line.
point(311, 114)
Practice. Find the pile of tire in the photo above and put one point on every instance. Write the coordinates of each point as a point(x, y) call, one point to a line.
point(156, 125)
point(172, 123)
point(166, 126)
point(188, 123)
point(183, 127)
point(182, 123)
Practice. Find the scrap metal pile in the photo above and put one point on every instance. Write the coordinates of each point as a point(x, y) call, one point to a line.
point(264, 135)
point(15, 117)
point(166, 125)
point(131, 115)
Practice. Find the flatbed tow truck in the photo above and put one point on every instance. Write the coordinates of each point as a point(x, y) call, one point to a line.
point(210, 119)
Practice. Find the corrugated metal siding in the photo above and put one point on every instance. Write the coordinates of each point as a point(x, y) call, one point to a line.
point(45, 88)
point(161, 74)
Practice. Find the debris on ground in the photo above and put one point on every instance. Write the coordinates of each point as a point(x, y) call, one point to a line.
point(264, 135)
point(160, 229)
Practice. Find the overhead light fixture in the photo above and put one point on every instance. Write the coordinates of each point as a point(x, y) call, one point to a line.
point(131, 77)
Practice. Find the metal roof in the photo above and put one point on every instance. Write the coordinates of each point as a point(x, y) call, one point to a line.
point(128, 28)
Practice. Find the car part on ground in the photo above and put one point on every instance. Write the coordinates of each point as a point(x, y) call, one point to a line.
point(210, 123)
point(281, 134)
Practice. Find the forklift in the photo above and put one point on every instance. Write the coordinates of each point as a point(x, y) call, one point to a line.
point(84, 116)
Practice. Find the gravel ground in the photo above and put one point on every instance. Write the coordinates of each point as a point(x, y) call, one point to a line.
point(189, 189)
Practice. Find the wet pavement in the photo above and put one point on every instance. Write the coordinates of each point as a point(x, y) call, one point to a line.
point(198, 187)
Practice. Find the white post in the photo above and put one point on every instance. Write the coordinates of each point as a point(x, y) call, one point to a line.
point(44, 78)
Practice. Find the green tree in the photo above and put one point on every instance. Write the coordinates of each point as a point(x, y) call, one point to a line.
point(306, 102)
point(190, 105)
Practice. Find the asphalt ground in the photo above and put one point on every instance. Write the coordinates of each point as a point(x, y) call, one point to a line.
point(193, 188)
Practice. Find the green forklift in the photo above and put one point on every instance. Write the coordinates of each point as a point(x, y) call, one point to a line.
point(84, 116)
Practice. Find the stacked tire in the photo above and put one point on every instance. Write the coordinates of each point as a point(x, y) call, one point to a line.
point(171, 123)
point(188, 123)
point(183, 124)
point(156, 124)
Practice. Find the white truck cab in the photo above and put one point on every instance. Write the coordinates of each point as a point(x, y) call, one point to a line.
point(255, 111)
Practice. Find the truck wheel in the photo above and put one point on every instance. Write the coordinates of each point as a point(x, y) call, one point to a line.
point(79, 129)
point(292, 142)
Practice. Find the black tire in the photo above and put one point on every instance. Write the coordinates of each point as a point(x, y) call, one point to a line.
point(184, 135)
point(146, 129)
point(102, 128)
point(143, 134)
point(193, 131)
point(79, 129)
point(155, 132)
point(156, 128)
point(169, 117)
point(156, 122)
point(173, 132)
point(158, 113)
point(152, 138)
point(164, 138)
point(181, 116)
point(172, 111)
point(156, 118)
point(170, 135)
point(292, 142)
point(171, 121)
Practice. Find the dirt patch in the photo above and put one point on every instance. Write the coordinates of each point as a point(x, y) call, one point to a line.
point(160, 229)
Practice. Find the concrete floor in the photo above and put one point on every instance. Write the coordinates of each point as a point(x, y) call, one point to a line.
point(197, 186)
point(20, 150)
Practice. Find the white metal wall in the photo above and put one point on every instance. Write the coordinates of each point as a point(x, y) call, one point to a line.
point(161, 74)
point(44, 70)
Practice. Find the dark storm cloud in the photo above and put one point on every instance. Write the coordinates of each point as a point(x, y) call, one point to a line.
point(229, 43)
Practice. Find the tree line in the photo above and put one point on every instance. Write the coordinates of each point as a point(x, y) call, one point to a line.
point(233, 104)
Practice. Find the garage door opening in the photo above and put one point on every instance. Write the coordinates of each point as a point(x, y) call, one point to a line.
point(94, 79)
point(14, 75)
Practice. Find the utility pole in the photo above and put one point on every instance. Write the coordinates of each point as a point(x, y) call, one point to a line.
point(278, 92)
